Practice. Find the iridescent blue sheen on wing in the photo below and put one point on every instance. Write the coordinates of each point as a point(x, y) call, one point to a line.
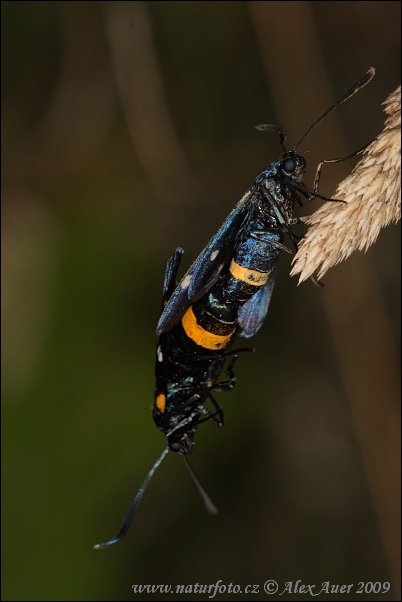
point(252, 314)
point(205, 270)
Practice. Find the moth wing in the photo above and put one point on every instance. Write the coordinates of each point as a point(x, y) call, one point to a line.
point(252, 314)
point(205, 270)
point(169, 282)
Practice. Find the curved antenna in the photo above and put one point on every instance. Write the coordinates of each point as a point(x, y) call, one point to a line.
point(210, 506)
point(355, 88)
point(127, 521)
point(277, 129)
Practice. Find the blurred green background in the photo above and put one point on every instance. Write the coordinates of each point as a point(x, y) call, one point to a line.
point(128, 130)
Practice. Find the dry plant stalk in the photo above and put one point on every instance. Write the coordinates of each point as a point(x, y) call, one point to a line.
point(372, 195)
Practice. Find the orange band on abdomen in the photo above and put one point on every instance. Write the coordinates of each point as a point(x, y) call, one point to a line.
point(246, 275)
point(200, 336)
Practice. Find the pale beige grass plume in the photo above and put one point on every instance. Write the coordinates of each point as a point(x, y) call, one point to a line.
point(372, 195)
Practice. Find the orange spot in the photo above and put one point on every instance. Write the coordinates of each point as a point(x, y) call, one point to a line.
point(160, 402)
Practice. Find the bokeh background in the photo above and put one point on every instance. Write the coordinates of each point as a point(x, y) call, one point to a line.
point(128, 130)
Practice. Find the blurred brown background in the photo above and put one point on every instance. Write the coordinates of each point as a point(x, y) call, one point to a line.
point(128, 130)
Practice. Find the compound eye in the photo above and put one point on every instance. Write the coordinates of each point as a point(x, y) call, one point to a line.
point(289, 165)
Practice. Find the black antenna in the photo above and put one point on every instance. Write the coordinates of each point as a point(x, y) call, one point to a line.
point(212, 509)
point(127, 521)
point(278, 129)
point(367, 77)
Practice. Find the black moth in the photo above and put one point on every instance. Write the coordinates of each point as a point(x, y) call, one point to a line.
point(225, 294)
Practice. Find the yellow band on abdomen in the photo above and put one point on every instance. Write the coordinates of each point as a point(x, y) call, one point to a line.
point(246, 275)
point(200, 336)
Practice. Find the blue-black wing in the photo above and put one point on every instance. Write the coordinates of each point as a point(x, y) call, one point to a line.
point(162, 350)
point(172, 267)
point(252, 314)
point(205, 270)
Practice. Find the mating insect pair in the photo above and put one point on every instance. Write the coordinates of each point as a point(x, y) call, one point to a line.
point(224, 295)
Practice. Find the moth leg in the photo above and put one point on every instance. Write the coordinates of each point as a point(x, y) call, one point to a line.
point(337, 160)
